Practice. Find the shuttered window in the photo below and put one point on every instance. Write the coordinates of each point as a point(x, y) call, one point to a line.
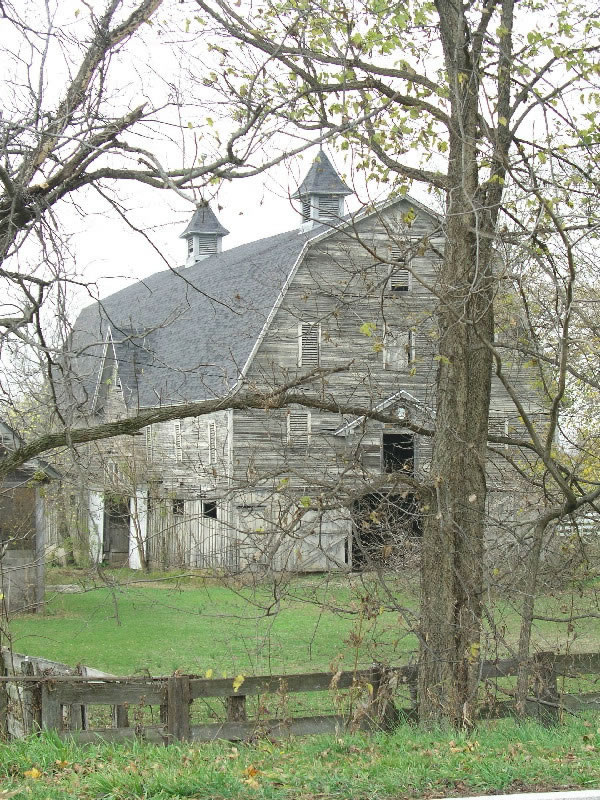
point(399, 349)
point(212, 442)
point(306, 207)
point(149, 434)
point(399, 275)
point(298, 428)
point(308, 345)
point(177, 441)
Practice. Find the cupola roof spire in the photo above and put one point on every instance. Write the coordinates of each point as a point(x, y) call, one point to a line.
point(203, 234)
point(322, 178)
point(321, 193)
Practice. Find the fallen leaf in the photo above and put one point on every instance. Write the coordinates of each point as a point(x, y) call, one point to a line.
point(33, 773)
point(237, 682)
point(209, 673)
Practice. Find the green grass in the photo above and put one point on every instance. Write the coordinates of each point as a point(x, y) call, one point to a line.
point(196, 626)
point(502, 756)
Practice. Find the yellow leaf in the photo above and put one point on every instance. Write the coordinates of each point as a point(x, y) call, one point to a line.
point(503, 121)
point(209, 673)
point(237, 682)
point(370, 688)
point(33, 773)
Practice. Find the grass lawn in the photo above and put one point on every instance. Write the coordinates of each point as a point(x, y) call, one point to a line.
point(195, 624)
point(499, 757)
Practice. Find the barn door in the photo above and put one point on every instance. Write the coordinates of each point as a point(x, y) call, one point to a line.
point(116, 531)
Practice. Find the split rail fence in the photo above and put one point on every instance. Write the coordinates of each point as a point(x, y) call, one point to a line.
point(36, 694)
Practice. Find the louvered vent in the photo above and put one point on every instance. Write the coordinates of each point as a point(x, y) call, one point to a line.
point(309, 345)
point(498, 426)
point(190, 243)
point(149, 433)
point(207, 245)
point(329, 207)
point(398, 255)
point(399, 280)
point(306, 207)
point(399, 276)
point(212, 443)
point(177, 440)
point(298, 428)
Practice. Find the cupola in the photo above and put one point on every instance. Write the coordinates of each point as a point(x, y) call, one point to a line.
point(321, 193)
point(204, 235)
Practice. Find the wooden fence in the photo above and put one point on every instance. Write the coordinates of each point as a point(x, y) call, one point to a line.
point(60, 702)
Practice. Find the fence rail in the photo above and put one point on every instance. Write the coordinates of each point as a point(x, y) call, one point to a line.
point(38, 694)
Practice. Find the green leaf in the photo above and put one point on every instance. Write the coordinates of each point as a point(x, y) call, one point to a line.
point(368, 328)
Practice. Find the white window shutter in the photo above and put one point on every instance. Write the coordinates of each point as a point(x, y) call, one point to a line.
point(298, 428)
point(309, 345)
point(177, 440)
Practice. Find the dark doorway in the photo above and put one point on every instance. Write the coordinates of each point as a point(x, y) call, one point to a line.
point(386, 531)
point(398, 452)
point(116, 531)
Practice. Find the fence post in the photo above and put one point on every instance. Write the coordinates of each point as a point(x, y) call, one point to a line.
point(51, 709)
point(236, 708)
point(382, 702)
point(31, 696)
point(178, 707)
point(546, 688)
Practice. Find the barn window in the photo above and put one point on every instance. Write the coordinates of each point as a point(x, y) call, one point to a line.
point(398, 452)
point(298, 428)
point(398, 349)
point(306, 207)
point(209, 508)
point(212, 442)
point(177, 441)
point(399, 274)
point(149, 434)
point(178, 507)
point(111, 473)
point(308, 345)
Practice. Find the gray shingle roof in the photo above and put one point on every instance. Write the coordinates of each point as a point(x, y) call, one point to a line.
point(204, 221)
point(186, 334)
point(322, 179)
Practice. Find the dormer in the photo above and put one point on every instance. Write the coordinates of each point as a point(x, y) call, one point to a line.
point(204, 235)
point(322, 194)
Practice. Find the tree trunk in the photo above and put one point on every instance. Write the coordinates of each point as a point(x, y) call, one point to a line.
point(453, 542)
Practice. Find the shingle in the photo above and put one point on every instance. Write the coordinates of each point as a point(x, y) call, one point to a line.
point(183, 335)
point(204, 221)
point(321, 179)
